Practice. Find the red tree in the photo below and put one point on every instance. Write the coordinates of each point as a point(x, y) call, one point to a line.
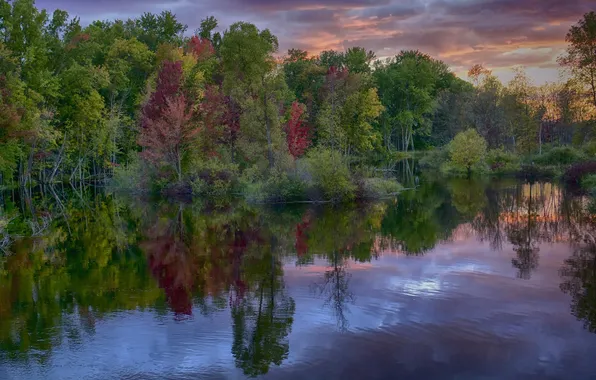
point(297, 132)
point(168, 85)
point(170, 135)
point(201, 48)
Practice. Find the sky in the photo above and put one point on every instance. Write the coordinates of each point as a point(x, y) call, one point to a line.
point(500, 34)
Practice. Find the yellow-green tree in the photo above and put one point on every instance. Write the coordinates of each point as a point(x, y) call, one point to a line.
point(467, 151)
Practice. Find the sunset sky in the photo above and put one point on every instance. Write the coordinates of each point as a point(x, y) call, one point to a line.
point(498, 33)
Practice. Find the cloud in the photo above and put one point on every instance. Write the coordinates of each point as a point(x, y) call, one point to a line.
point(498, 33)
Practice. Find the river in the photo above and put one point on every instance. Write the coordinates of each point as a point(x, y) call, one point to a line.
point(459, 279)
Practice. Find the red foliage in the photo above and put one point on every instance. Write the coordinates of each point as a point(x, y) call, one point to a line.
point(201, 48)
point(232, 121)
point(297, 132)
point(168, 86)
point(166, 137)
point(213, 110)
point(220, 117)
point(336, 73)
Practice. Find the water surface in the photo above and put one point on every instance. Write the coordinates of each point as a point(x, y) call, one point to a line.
point(456, 280)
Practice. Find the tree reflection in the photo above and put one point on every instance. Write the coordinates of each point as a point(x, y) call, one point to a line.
point(335, 288)
point(579, 280)
point(523, 233)
point(419, 220)
point(468, 197)
point(71, 260)
point(171, 263)
point(263, 318)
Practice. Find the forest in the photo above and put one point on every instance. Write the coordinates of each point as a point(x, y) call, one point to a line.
point(146, 105)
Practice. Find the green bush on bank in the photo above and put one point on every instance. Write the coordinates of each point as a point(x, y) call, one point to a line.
point(327, 171)
point(375, 188)
point(279, 186)
point(558, 156)
point(589, 183)
point(129, 177)
point(213, 178)
point(500, 161)
point(435, 158)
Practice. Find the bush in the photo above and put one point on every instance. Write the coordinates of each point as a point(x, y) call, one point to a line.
point(592, 206)
point(278, 187)
point(435, 158)
point(328, 171)
point(590, 149)
point(562, 155)
point(589, 183)
point(502, 162)
point(213, 178)
point(575, 174)
point(374, 188)
point(129, 177)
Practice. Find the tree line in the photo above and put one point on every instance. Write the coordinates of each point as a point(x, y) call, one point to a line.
point(146, 102)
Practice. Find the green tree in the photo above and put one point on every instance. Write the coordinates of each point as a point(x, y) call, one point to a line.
point(408, 85)
point(581, 53)
point(467, 150)
point(247, 65)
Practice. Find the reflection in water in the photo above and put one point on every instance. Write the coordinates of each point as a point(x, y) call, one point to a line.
point(579, 280)
point(72, 262)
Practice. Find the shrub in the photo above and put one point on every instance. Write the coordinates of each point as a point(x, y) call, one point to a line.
point(279, 186)
point(590, 150)
point(374, 188)
point(575, 173)
point(562, 155)
point(435, 158)
point(500, 161)
point(213, 178)
point(592, 206)
point(130, 177)
point(588, 183)
point(328, 171)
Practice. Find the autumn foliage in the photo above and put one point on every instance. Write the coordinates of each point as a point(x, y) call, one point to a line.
point(201, 48)
point(168, 86)
point(167, 137)
point(297, 132)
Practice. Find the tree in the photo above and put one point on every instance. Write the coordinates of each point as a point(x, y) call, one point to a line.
point(467, 150)
point(520, 112)
point(297, 133)
point(169, 137)
point(358, 60)
point(168, 85)
point(247, 64)
point(581, 53)
point(201, 47)
point(487, 113)
point(154, 30)
point(359, 112)
point(408, 85)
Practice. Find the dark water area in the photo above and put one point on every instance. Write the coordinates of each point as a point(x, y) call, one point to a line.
point(456, 280)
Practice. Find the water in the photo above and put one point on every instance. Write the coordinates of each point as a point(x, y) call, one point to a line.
point(457, 280)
